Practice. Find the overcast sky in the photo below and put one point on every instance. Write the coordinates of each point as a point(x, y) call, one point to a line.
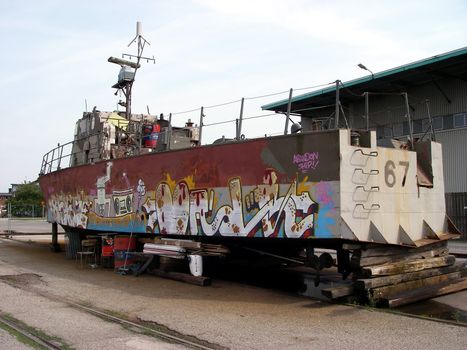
point(54, 54)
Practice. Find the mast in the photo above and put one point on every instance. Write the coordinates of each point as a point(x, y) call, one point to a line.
point(127, 74)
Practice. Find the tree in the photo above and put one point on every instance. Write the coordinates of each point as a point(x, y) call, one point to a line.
point(27, 200)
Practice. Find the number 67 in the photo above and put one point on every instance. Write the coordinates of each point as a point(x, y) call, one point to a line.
point(390, 175)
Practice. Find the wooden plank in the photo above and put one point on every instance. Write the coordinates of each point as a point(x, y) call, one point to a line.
point(338, 292)
point(389, 250)
point(403, 266)
point(366, 283)
point(358, 261)
point(184, 243)
point(183, 277)
point(352, 246)
point(387, 291)
point(427, 293)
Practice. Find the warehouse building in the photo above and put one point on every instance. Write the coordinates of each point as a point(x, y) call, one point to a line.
point(427, 98)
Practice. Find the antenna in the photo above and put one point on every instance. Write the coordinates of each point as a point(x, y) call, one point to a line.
point(139, 39)
point(127, 74)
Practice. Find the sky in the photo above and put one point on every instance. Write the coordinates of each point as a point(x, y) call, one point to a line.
point(53, 59)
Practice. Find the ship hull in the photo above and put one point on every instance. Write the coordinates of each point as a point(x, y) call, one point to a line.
point(298, 187)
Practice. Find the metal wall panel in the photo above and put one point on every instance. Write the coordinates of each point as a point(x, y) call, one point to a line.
point(446, 96)
point(454, 159)
point(456, 209)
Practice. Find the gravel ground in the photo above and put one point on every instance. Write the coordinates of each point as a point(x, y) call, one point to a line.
point(229, 314)
point(7, 341)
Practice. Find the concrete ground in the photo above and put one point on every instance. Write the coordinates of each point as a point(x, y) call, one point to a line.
point(36, 225)
point(228, 314)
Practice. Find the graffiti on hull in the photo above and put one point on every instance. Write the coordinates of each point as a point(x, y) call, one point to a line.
point(262, 211)
point(69, 211)
point(268, 209)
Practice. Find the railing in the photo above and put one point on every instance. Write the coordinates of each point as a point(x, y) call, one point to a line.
point(209, 116)
point(54, 159)
point(245, 118)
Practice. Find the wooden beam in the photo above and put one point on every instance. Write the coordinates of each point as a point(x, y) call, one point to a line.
point(358, 261)
point(338, 292)
point(385, 251)
point(406, 266)
point(427, 293)
point(387, 291)
point(367, 283)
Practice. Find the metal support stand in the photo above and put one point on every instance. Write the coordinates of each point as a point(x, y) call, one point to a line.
point(55, 247)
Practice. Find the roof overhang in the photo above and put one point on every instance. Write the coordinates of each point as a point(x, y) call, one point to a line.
point(452, 64)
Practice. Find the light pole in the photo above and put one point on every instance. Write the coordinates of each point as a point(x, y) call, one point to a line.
point(362, 66)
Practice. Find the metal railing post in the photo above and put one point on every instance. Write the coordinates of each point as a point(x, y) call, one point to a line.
point(52, 160)
point(367, 111)
point(336, 121)
point(201, 116)
point(407, 107)
point(239, 120)
point(59, 160)
point(169, 132)
point(433, 136)
point(287, 116)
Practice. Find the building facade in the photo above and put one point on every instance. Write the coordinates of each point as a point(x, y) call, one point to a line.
point(423, 99)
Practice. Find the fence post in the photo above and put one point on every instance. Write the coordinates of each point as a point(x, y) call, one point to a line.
point(9, 218)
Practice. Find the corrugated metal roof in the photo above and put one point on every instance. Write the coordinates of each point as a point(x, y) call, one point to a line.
point(380, 76)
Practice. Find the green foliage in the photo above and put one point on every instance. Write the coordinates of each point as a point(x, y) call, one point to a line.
point(27, 201)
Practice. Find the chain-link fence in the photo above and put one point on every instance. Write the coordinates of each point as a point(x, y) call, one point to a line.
point(24, 218)
point(25, 211)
